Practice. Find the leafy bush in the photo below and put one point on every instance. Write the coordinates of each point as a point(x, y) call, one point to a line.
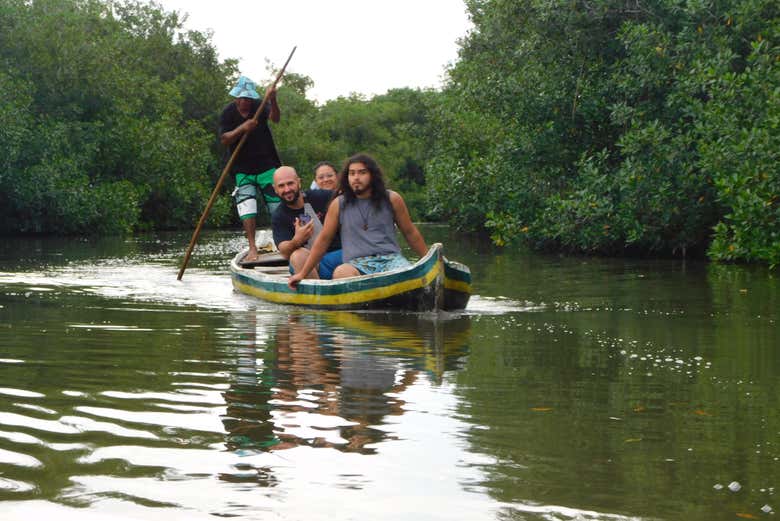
point(108, 117)
point(615, 127)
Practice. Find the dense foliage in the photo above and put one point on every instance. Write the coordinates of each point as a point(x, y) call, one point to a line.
point(392, 127)
point(108, 120)
point(612, 126)
point(606, 126)
point(106, 117)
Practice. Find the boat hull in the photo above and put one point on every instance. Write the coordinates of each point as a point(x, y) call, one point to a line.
point(421, 287)
point(457, 285)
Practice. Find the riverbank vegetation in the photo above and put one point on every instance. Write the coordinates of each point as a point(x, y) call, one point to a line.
point(605, 126)
point(612, 126)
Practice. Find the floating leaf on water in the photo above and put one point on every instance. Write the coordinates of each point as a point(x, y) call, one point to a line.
point(632, 440)
point(699, 412)
point(745, 515)
point(639, 408)
point(541, 409)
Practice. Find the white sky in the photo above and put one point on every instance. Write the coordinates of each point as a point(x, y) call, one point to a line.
point(345, 46)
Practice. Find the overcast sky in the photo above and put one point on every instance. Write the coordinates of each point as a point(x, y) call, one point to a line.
point(345, 46)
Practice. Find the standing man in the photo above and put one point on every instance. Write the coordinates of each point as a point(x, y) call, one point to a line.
point(257, 160)
point(366, 214)
point(297, 221)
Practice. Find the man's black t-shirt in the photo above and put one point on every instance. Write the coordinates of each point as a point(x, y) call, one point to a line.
point(283, 218)
point(259, 152)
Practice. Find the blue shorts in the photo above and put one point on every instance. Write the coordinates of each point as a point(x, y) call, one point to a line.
point(380, 263)
point(329, 262)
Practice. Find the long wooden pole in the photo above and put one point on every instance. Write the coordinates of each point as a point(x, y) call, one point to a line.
point(227, 169)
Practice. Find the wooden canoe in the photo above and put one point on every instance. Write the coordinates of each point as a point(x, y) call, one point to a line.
point(432, 283)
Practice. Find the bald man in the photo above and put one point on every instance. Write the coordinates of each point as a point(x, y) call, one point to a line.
point(297, 221)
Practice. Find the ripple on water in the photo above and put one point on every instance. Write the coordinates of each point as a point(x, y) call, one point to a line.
point(102, 508)
point(70, 425)
point(36, 424)
point(22, 393)
point(8, 457)
point(499, 305)
point(208, 421)
point(557, 512)
point(485, 426)
point(36, 408)
point(19, 437)
point(110, 327)
point(141, 282)
point(183, 396)
point(13, 485)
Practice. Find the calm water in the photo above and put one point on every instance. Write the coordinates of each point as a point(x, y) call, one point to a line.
point(571, 388)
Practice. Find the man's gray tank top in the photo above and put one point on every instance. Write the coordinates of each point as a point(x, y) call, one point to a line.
point(366, 230)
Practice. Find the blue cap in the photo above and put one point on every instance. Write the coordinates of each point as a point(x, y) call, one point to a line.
point(245, 88)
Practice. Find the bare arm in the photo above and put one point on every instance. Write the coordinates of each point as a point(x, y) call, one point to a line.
point(231, 136)
point(302, 234)
point(412, 235)
point(321, 243)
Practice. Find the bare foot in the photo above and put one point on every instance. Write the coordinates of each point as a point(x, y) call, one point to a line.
point(250, 256)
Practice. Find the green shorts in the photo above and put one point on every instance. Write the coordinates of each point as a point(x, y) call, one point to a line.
point(247, 188)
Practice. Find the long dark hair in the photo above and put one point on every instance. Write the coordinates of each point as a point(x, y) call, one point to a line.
point(378, 188)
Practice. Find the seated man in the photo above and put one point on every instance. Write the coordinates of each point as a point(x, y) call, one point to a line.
point(297, 221)
point(365, 215)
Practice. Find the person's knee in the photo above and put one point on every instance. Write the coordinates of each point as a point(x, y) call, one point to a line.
point(298, 258)
point(245, 198)
point(344, 271)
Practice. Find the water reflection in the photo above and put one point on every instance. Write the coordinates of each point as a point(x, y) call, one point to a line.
point(332, 379)
point(592, 389)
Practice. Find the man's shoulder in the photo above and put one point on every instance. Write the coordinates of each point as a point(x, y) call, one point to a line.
point(281, 210)
point(229, 108)
point(228, 119)
point(318, 195)
point(318, 192)
point(280, 216)
point(394, 197)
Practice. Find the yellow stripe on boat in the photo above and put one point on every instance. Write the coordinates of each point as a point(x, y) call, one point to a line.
point(352, 297)
point(457, 285)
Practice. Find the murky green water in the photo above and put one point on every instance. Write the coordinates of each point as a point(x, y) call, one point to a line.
point(571, 388)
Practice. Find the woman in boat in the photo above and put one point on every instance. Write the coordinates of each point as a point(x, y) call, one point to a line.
point(325, 176)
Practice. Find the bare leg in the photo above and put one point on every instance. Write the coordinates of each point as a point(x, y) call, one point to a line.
point(343, 271)
point(249, 228)
point(298, 259)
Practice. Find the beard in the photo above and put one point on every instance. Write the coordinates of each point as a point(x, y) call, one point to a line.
point(359, 190)
point(291, 197)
